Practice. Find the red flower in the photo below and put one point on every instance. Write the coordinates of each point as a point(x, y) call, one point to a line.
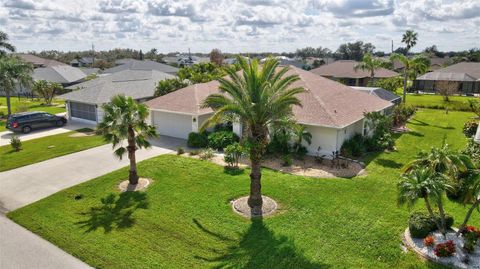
point(429, 241)
point(445, 249)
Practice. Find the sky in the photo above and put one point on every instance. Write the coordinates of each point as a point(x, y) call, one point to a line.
point(237, 25)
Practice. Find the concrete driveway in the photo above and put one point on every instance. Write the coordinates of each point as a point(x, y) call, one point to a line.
point(70, 126)
point(20, 248)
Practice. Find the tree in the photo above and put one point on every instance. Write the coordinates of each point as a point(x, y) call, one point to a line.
point(354, 51)
point(301, 134)
point(5, 46)
point(125, 119)
point(170, 85)
point(433, 51)
point(470, 195)
point(416, 64)
point(410, 39)
point(369, 64)
point(102, 64)
point(216, 57)
point(421, 183)
point(319, 52)
point(258, 97)
point(474, 105)
point(446, 88)
point(47, 90)
point(389, 84)
point(153, 53)
point(13, 73)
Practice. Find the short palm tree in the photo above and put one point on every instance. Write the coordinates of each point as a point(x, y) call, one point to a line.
point(5, 46)
point(370, 64)
point(410, 39)
point(258, 97)
point(471, 196)
point(301, 134)
point(14, 73)
point(125, 119)
point(419, 64)
point(423, 184)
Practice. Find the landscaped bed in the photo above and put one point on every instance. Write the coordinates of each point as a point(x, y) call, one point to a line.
point(41, 149)
point(185, 219)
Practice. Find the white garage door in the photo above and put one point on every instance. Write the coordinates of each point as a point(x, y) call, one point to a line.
point(171, 124)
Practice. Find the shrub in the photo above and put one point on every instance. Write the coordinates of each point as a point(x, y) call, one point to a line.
point(473, 150)
point(421, 224)
point(197, 140)
point(287, 160)
point(471, 235)
point(401, 114)
point(194, 152)
point(301, 152)
point(354, 147)
point(446, 249)
point(220, 140)
point(233, 153)
point(180, 151)
point(207, 154)
point(470, 128)
point(16, 143)
point(279, 144)
point(381, 126)
point(429, 241)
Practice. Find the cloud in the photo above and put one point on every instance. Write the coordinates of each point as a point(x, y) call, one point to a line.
point(21, 4)
point(119, 6)
point(357, 8)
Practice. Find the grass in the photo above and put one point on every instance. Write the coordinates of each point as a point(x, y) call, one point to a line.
point(184, 219)
point(41, 149)
point(433, 101)
point(31, 105)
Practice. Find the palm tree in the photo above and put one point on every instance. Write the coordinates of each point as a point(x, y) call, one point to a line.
point(471, 196)
point(370, 64)
point(13, 73)
point(423, 184)
point(301, 134)
point(4, 45)
point(410, 39)
point(126, 119)
point(259, 97)
point(418, 64)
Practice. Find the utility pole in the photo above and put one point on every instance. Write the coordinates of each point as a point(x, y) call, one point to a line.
point(392, 45)
point(93, 55)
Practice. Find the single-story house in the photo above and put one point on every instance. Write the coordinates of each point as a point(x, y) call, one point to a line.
point(132, 64)
point(63, 74)
point(331, 111)
point(82, 62)
point(85, 101)
point(38, 61)
point(435, 64)
point(344, 71)
point(381, 93)
point(284, 60)
point(465, 74)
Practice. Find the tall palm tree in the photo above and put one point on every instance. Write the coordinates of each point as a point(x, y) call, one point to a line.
point(125, 119)
point(419, 64)
point(258, 97)
point(13, 73)
point(370, 64)
point(423, 184)
point(410, 39)
point(5, 46)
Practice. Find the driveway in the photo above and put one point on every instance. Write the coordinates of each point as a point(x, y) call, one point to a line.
point(70, 126)
point(20, 248)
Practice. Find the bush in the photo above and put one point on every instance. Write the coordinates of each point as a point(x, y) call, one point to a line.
point(233, 153)
point(180, 151)
point(194, 152)
point(421, 224)
point(353, 147)
point(381, 126)
point(279, 144)
point(220, 140)
point(197, 140)
point(471, 235)
point(473, 150)
point(470, 128)
point(401, 114)
point(287, 160)
point(301, 152)
point(16, 143)
point(207, 154)
point(446, 249)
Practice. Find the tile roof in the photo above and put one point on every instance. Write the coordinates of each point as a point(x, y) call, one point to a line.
point(138, 84)
point(346, 69)
point(325, 102)
point(38, 61)
point(446, 76)
point(63, 74)
point(132, 64)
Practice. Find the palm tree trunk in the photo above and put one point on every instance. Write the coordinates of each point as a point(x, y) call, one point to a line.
point(467, 217)
point(255, 201)
point(9, 108)
point(132, 176)
point(432, 215)
point(442, 218)
point(405, 85)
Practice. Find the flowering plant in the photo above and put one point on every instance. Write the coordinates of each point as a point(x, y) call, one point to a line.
point(471, 235)
point(429, 241)
point(445, 249)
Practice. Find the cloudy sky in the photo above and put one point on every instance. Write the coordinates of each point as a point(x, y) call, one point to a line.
point(237, 25)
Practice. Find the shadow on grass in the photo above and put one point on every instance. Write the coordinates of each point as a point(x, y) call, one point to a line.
point(258, 247)
point(233, 171)
point(415, 133)
point(422, 123)
point(388, 163)
point(114, 213)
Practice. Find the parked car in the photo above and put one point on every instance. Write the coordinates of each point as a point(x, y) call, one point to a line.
point(27, 121)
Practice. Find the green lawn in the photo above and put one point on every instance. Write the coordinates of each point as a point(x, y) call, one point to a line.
point(436, 101)
point(41, 149)
point(184, 219)
point(58, 106)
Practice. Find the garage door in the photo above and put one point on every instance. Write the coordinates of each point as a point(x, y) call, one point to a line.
point(83, 111)
point(171, 124)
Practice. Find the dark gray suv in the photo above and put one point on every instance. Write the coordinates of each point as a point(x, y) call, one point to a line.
point(27, 121)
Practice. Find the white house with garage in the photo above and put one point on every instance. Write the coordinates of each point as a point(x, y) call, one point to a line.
point(331, 111)
point(84, 102)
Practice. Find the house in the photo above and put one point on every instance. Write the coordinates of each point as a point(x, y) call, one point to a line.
point(344, 71)
point(85, 102)
point(381, 93)
point(284, 60)
point(83, 62)
point(435, 64)
point(465, 74)
point(331, 111)
point(63, 74)
point(38, 61)
point(132, 64)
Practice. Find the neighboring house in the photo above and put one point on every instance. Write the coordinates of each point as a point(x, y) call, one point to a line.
point(331, 111)
point(344, 71)
point(381, 93)
point(85, 102)
point(132, 64)
point(38, 61)
point(435, 64)
point(284, 60)
point(465, 74)
point(82, 62)
point(63, 74)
